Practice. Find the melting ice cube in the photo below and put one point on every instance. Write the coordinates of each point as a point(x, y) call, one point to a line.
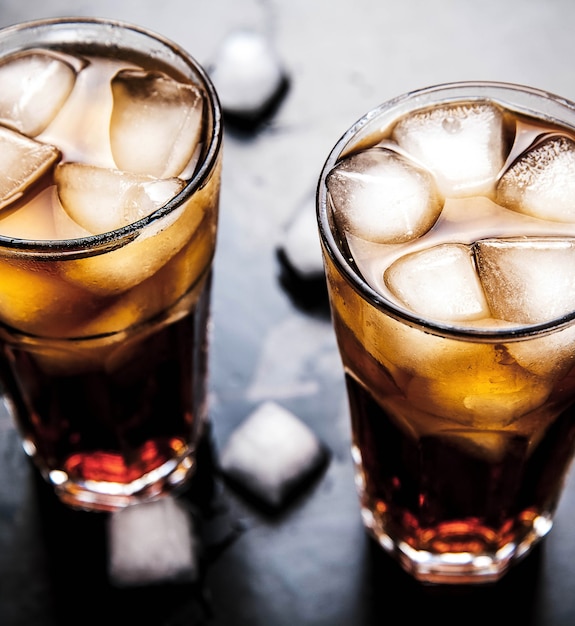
point(541, 182)
point(248, 75)
point(22, 162)
point(440, 282)
point(547, 356)
point(271, 453)
point(156, 123)
point(380, 196)
point(463, 145)
point(301, 245)
point(101, 199)
point(35, 85)
point(150, 543)
point(527, 280)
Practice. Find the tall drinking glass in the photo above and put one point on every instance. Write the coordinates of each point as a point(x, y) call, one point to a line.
point(447, 220)
point(110, 180)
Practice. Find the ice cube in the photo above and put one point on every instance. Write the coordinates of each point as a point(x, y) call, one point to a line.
point(102, 199)
point(465, 382)
point(22, 161)
point(156, 123)
point(37, 301)
point(248, 75)
point(152, 543)
point(192, 222)
point(31, 221)
point(271, 453)
point(475, 386)
point(440, 283)
point(300, 245)
point(462, 144)
point(541, 182)
point(380, 196)
point(527, 280)
point(549, 356)
point(35, 85)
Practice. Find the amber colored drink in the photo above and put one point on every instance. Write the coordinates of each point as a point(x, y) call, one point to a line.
point(449, 247)
point(108, 219)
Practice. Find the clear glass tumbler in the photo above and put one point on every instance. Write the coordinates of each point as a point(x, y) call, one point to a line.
point(448, 236)
point(106, 249)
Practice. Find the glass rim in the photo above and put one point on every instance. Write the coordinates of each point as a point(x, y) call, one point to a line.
point(103, 242)
point(390, 110)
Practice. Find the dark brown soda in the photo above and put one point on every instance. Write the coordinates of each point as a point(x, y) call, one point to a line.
point(116, 425)
point(437, 494)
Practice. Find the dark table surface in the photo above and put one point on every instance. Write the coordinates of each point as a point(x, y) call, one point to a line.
point(310, 563)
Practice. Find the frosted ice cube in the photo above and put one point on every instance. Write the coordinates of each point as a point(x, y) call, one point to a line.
point(462, 144)
point(22, 161)
point(156, 123)
point(527, 280)
point(440, 282)
point(152, 543)
point(248, 75)
point(102, 199)
point(271, 453)
point(380, 196)
point(35, 85)
point(541, 182)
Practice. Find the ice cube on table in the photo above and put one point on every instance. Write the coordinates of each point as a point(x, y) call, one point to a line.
point(35, 86)
point(439, 283)
point(271, 453)
point(22, 161)
point(156, 123)
point(300, 244)
point(527, 280)
point(248, 75)
point(462, 144)
point(380, 196)
point(101, 199)
point(541, 182)
point(152, 543)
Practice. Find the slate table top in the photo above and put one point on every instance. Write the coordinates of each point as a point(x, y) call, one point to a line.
point(310, 563)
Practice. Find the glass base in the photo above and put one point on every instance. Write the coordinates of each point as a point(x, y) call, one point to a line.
point(111, 496)
point(461, 567)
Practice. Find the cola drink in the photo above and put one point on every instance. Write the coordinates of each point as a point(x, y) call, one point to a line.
point(448, 233)
point(108, 224)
